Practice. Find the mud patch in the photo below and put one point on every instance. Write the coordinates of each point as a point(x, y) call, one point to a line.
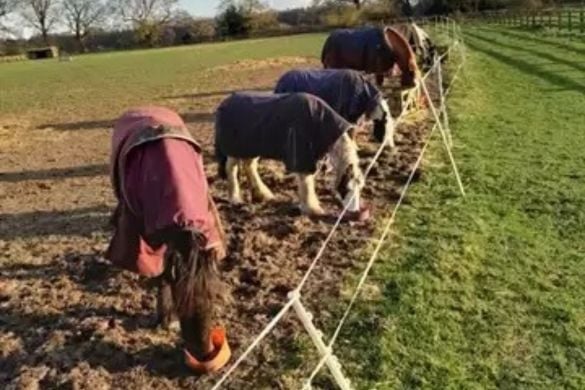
point(245, 65)
point(68, 319)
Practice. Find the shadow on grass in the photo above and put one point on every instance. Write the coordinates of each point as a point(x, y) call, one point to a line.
point(533, 38)
point(527, 67)
point(76, 222)
point(215, 93)
point(55, 173)
point(577, 65)
point(188, 117)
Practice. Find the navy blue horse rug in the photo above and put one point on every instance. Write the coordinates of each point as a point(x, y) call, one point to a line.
point(297, 129)
point(364, 49)
point(348, 92)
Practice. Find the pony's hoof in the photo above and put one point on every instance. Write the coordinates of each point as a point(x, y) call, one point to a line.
point(263, 197)
point(174, 326)
point(237, 200)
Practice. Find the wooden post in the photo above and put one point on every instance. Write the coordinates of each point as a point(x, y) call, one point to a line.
point(570, 23)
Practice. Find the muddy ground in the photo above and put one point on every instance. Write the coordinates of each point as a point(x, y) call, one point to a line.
point(70, 320)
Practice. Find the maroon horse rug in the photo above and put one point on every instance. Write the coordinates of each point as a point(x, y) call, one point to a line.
point(160, 184)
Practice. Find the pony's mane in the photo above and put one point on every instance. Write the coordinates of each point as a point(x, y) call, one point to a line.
point(401, 38)
point(195, 271)
point(343, 155)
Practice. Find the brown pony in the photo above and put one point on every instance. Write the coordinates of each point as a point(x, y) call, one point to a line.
point(166, 224)
point(373, 50)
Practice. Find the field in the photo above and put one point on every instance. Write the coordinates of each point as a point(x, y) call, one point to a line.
point(485, 291)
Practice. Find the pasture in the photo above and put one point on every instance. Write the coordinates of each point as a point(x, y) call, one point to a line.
point(485, 291)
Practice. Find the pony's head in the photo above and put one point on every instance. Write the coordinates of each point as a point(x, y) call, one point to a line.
point(192, 272)
point(348, 175)
point(384, 125)
point(405, 57)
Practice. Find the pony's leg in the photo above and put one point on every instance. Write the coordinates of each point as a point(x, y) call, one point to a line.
point(233, 183)
point(259, 189)
point(165, 305)
point(308, 197)
point(380, 79)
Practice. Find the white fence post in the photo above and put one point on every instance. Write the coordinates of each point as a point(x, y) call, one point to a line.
point(443, 134)
point(317, 337)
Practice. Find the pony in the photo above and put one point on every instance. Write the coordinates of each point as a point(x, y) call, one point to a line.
point(373, 50)
point(298, 129)
point(166, 225)
point(420, 42)
point(348, 92)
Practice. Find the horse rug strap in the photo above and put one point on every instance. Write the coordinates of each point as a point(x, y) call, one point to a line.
point(159, 180)
point(298, 129)
point(369, 44)
point(348, 92)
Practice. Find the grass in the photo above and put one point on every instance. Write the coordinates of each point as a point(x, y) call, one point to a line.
point(488, 291)
point(99, 84)
point(482, 292)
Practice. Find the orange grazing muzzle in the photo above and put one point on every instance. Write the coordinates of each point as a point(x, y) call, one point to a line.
point(217, 359)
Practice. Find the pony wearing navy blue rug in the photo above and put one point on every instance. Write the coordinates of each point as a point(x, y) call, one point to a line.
point(298, 129)
point(373, 50)
point(420, 42)
point(348, 92)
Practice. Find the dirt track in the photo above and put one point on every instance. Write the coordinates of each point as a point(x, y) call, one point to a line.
point(69, 319)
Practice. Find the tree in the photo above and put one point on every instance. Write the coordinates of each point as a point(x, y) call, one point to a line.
point(356, 3)
point(6, 7)
point(145, 11)
point(41, 15)
point(147, 16)
point(81, 16)
point(232, 21)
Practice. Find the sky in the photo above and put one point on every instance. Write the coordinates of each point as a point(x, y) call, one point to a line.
point(201, 8)
point(209, 7)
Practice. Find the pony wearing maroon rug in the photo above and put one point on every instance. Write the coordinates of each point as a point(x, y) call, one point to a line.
point(348, 92)
point(166, 224)
point(298, 129)
point(372, 50)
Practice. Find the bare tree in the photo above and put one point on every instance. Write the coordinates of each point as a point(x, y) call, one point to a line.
point(6, 7)
point(147, 16)
point(356, 3)
point(81, 16)
point(139, 12)
point(41, 15)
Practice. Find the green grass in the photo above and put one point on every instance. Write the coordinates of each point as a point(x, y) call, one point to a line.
point(99, 84)
point(489, 291)
point(482, 292)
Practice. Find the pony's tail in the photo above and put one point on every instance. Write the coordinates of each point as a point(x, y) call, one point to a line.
point(221, 159)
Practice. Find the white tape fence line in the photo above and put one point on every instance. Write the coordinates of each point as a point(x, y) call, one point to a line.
point(382, 239)
point(295, 295)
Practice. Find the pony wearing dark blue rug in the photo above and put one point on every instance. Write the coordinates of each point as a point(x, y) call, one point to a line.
point(373, 50)
point(298, 129)
point(348, 92)
point(420, 42)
